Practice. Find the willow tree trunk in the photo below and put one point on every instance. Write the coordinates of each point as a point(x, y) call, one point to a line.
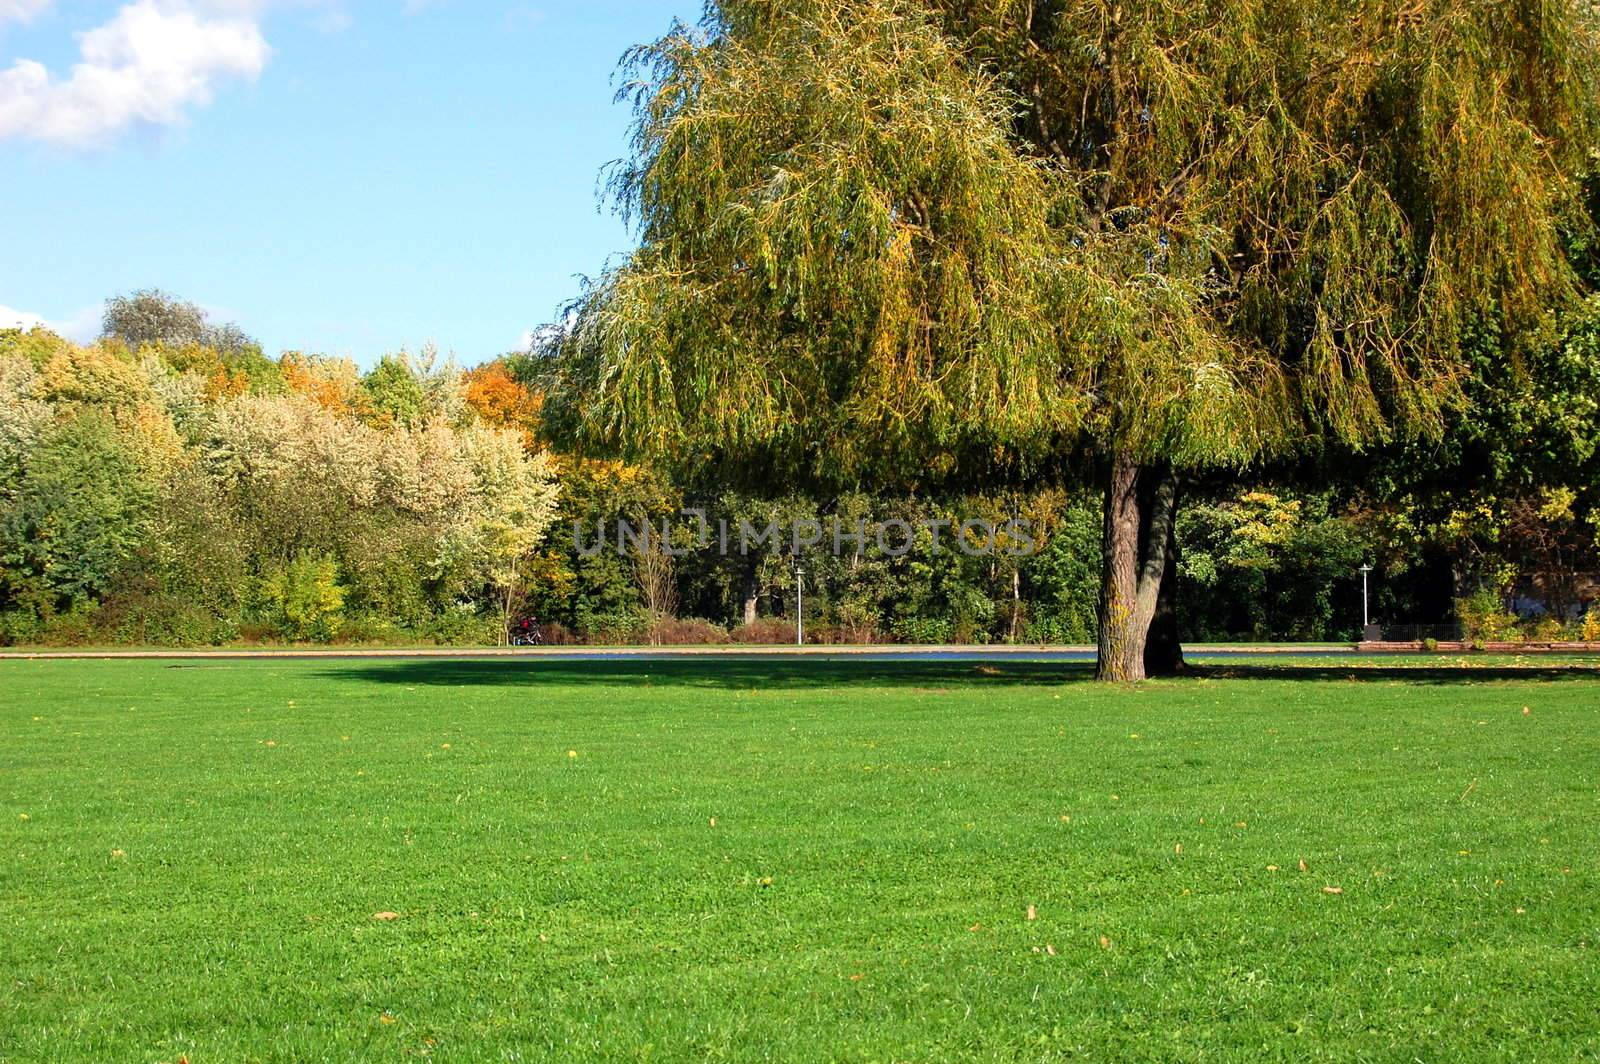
point(1138, 550)
point(1163, 649)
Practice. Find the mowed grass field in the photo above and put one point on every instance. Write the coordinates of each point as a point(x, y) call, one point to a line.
point(797, 861)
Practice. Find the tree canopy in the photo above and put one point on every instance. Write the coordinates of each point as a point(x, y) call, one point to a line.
point(891, 237)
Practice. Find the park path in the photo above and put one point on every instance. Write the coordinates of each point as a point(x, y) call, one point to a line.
point(874, 653)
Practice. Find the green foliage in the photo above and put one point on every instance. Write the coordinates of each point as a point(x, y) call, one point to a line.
point(395, 392)
point(37, 345)
point(304, 597)
point(842, 260)
point(1270, 566)
point(1485, 619)
point(72, 518)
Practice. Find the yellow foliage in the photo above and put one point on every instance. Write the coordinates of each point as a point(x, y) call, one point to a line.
point(95, 375)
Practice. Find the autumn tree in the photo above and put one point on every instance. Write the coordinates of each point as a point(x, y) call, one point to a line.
point(892, 235)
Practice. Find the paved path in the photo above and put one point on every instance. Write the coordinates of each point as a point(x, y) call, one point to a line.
point(820, 653)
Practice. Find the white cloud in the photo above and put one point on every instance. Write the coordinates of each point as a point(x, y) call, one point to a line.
point(19, 319)
point(148, 66)
point(22, 10)
point(80, 328)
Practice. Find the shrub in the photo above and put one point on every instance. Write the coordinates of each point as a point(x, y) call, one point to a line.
point(1590, 632)
point(1547, 630)
point(461, 628)
point(765, 631)
point(928, 630)
point(1430, 644)
point(1059, 629)
point(305, 598)
point(855, 623)
point(616, 628)
point(679, 631)
point(1484, 619)
point(556, 634)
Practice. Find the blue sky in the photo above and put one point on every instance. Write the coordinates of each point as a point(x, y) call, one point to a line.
point(336, 177)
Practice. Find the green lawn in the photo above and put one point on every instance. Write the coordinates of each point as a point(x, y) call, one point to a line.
point(738, 860)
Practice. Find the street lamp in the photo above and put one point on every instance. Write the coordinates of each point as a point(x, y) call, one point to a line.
point(799, 606)
point(1366, 617)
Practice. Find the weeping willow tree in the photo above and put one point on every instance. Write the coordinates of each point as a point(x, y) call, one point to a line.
point(1307, 200)
point(845, 269)
point(1195, 233)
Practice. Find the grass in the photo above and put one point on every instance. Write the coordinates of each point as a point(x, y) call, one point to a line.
point(737, 860)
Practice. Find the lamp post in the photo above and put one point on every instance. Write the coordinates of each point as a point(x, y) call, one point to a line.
point(799, 606)
point(1366, 617)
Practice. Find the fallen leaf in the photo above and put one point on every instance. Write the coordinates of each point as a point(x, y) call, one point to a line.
point(975, 927)
point(1333, 890)
point(713, 821)
point(1177, 847)
point(386, 1018)
point(1105, 942)
point(572, 753)
point(1272, 868)
point(1526, 711)
point(1240, 824)
point(386, 916)
point(1033, 914)
point(1303, 866)
point(119, 853)
point(1065, 819)
point(1048, 948)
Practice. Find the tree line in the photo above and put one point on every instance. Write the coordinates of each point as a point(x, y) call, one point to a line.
point(165, 488)
point(1226, 298)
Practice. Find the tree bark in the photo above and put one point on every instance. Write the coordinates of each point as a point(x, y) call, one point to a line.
point(1137, 553)
point(1163, 651)
point(752, 590)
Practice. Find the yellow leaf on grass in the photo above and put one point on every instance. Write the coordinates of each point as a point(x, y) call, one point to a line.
point(1333, 890)
point(1033, 914)
point(386, 916)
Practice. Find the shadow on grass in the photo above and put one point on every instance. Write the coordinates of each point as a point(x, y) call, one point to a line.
point(746, 673)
